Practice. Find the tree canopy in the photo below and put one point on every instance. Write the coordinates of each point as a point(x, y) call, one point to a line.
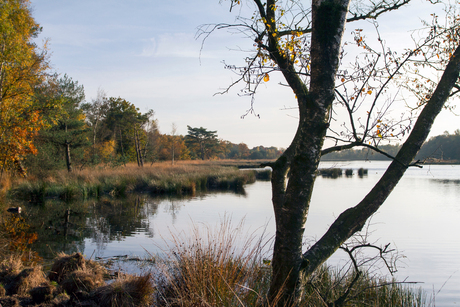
point(203, 142)
point(445, 147)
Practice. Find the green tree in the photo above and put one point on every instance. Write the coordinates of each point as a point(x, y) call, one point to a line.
point(304, 44)
point(70, 131)
point(202, 142)
point(127, 126)
point(152, 141)
point(442, 147)
point(261, 152)
point(172, 147)
point(95, 112)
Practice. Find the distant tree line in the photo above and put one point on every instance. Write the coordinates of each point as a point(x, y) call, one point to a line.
point(112, 131)
point(445, 147)
point(362, 154)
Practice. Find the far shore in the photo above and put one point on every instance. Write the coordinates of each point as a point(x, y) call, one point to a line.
point(426, 162)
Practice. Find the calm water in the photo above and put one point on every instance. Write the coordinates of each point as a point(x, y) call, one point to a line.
point(421, 218)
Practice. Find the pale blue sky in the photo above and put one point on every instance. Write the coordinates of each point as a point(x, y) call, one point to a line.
point(145, 51)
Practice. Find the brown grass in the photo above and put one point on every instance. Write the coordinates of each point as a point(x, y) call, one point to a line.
point(16, 279)
point(160, 178)
point(10, 266)
point(64, 265)
point(76, 281)
point(211, 269)
point(126, 291)
point(158, 170)
point(28, 279)
point(82, 280)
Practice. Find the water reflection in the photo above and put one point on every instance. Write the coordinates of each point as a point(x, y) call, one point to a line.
point(447, 182)
point(173, 208)
point(116, 219)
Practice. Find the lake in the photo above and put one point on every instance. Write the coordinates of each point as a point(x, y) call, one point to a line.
point(421, 219)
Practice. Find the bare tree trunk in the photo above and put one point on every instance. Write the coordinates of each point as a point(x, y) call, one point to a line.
point(67, 153)
point(122, 150)
point(140, 161)
point(291, 204)
point(173, 137)
point(67, 157)
point(136, 145)
point(20, 168)
point(173, 153)
point(202, 152)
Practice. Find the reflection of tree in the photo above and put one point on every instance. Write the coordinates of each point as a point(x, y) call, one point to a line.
point(172, 207)
point(100, 230)
point(453, 184)
point(49, 222)
point(118, 219)
point(150, 208)
point(102, 222)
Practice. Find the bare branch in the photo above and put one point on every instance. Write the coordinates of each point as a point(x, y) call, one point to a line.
point(377, 10)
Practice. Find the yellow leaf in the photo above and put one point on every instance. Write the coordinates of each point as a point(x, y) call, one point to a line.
point(266, 78)
point(369, 92)
point(342, 80)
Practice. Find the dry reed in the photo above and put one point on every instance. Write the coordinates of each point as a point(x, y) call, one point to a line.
point(16, 279)
point(126, 291)
point(75, 269)
point(220, 267)
point(82, 280)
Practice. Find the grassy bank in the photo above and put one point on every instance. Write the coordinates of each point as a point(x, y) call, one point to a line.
point(157, 179)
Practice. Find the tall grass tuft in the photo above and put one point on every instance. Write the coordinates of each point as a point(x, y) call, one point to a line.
point(126, 291)
point(327, 285)
point(330, 172)
point(213, 268)
point(362, 172)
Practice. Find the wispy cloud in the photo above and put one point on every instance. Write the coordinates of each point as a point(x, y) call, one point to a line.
point(181, 45)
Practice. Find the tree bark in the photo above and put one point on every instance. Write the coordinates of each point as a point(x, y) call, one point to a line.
point(202, 152)
point(67, 157)
point(140, 161)
point(291, 204)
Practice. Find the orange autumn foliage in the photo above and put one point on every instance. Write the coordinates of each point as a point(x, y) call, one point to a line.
point(22, 68)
